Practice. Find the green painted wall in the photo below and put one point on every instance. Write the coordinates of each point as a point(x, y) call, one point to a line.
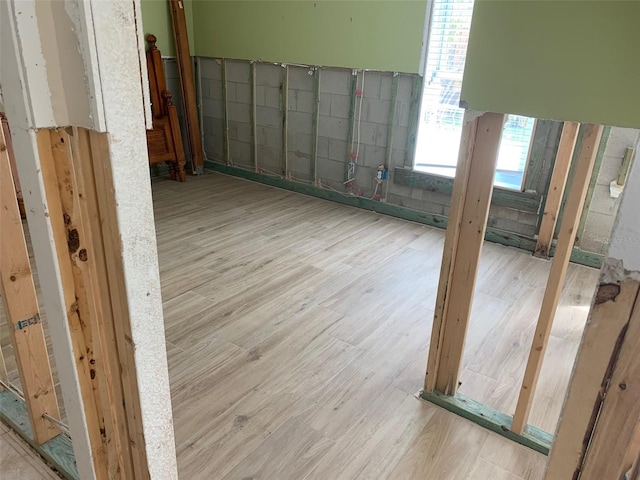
point(561, 60)
point(156, 19)
point(378, 34)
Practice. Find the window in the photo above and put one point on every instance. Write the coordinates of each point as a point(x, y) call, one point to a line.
point(440, 126)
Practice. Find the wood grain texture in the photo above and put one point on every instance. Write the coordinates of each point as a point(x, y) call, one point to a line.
point(282, 309)
point(23, 315)
point(556, 188)
point(566, 238)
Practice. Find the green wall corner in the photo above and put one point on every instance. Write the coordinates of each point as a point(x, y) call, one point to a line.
point(562, 60)
point(371, 34)
point(156, 19)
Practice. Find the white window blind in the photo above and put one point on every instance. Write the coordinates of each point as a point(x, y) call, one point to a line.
point(440, 125)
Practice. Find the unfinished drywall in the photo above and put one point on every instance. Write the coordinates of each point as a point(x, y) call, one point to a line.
point(603, 207)
point(344, 126)
point(565, 60)
point(375, 34)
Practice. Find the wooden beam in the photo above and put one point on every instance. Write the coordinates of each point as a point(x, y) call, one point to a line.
point(4, 376)
point(23, 316)
point(560, 262)
point(618, 418)
point(624, 168)
point(471, 199)
point(225, 114)
point(315, 125)
point(284, 93)
point(254, 127)
point(185, 67)
point(556, 188)
point(390, 128)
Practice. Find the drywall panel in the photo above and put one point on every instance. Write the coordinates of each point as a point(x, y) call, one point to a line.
point(156, 19)
point(383, 35)
point(561, 60)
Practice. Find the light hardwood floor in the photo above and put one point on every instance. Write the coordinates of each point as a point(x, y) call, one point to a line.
point(297, 333)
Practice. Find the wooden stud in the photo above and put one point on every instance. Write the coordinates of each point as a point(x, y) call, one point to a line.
point(472, 190)
point(559, 265)
point(556, 188)
point(390, 127)
point(23, 317)
point(353, 98)
point(225, 114)
point(414, 120)
point(95, 157)
point(284, 92)
point(254, 127)
point(624, 168)
point(315, 125)
point(185, 67)
point(592, 379)
point(4, 376)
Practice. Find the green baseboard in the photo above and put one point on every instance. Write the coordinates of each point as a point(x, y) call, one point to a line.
point(440, 221)
point(491, 419)
point(58, 451)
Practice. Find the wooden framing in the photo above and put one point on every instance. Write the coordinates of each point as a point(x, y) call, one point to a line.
point(23, 316)
point(284, 93)
point(472, 190)
point(315, 125)
point(185, 67)
point(556, 188)
point(566, 238)
point(254, 127)
point(225, 114)
point(624, 168)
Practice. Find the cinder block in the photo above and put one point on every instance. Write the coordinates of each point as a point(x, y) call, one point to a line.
point(299, 79)
point(381, 135)
point(400, 137)
point(504, 212)
point(371, 84)
point(217, 126)
point(170, 66)
point(238, 112)
point(269, 158)
point(233, 130)
point(212, 108)
point(386, 81)
point(304, 101)
point(403, 111)
point(214, 89)
point(325, 104)
point(237, 71)
point(405, 88)
point(260, 95)
point(336, 81)
point(269, 75)
point(299, 164)
point(268, 117)
point(231, 91)
point(207, 125)
point(340, 105)
point(240, 152)
point(400, 190)
point(269, 136)
point(528, 218)
point(333, 127)
point(272, 97)
point(331, 170)
point(303, 142)
point(620, 139)
point(323, 147)
point(243, 93)
point(210, 68)
point(609, 170)
point(374, 156)
point(398, 157)
point(300, 122)
point(291, 143)
point(601, 202)
point(244, 132)
point(338, 150)
point(435, 197)
point(378, 111)
point(511, 226)
point(368, 133)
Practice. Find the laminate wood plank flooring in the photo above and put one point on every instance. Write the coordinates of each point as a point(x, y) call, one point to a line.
point(297, 334)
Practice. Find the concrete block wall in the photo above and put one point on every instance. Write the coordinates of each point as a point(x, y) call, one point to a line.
point(334, 124)
point(603, 208)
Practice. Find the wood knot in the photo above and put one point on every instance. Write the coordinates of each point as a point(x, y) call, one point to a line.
point(73, 240)
point(607, 292)
point(66, 218)
point(82, 254)
point(12, 278)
